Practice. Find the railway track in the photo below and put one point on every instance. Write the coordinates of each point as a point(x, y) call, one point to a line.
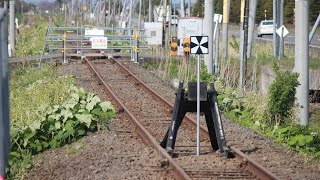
point(151, 115)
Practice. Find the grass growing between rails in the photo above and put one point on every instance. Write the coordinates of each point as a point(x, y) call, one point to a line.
point(48, 111)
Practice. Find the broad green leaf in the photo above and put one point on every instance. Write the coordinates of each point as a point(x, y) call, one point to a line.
point(81, 90)
point(75, 96)
point(106, 105)
point(308, 138)
point(81, 132)
point(90, 105)
point(84, 118)
point(35, 125)
point(55, 116)
point(27, 137)
point(283, 130)
point(96, 111)
point(66, 114)
point(82, 110)
point(292, 141)
point(105, 116)
point(70, 104)
point(57, 125)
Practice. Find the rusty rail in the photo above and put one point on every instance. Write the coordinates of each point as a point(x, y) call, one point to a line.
point(252, 166)
point(179, 172)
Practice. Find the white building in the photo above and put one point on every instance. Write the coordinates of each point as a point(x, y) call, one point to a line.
point(153, 33)
point(188, 26)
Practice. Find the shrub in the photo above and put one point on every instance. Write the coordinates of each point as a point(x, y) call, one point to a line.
point(281, 96)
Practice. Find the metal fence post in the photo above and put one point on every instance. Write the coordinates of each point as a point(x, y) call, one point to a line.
point(4, 91)
point(64, 46)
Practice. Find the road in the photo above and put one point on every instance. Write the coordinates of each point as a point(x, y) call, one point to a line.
point(315, 43)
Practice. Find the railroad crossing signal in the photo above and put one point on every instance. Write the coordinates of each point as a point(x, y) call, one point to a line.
point(199, 44)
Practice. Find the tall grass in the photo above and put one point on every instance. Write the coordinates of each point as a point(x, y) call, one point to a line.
point(33, 91)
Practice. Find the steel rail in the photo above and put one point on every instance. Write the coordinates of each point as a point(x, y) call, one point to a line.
point(179, 172)
point(253, 167)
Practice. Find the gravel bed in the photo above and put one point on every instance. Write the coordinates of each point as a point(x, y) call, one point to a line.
point(285, 163)
point(117, 153)
point(148, 111)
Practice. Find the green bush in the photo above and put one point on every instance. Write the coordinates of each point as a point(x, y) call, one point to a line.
point(47, 111)
point(281, 96)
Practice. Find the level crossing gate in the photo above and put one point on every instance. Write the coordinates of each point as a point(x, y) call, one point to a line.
point(78, 41)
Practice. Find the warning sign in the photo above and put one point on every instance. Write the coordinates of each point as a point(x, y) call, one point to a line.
point(99, 42)
point(93, 32)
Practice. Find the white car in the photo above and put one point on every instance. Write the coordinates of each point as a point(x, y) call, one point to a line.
point(265, 28)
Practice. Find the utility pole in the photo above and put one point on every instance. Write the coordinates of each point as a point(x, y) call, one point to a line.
point(65, 14)
point(21, 7)
point(189, 8)
point(109, 13)
point(274, 12)
point(241, 52)
point(4, 92)
point(139, 18)
point(245, 43)
point(169, 21)
point(281, 50)
point(252, 20)
point(130, 16)
point(12, 34)
point(164, 22)
point(278, 26)
point(182, 14)
point(225, 27)
point(150, 11)
point(105, 13)
point(208, 30)
point(302, 58)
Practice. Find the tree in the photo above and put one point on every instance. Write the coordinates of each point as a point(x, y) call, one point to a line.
point(235, 11)
point(198, 8)
point(219, 6)
point(264, 8)
point(289, 11)
point(314, 10)
point(59, 2)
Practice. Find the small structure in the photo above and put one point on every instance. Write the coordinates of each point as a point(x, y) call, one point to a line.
point(153, 33)
point(188, 26)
